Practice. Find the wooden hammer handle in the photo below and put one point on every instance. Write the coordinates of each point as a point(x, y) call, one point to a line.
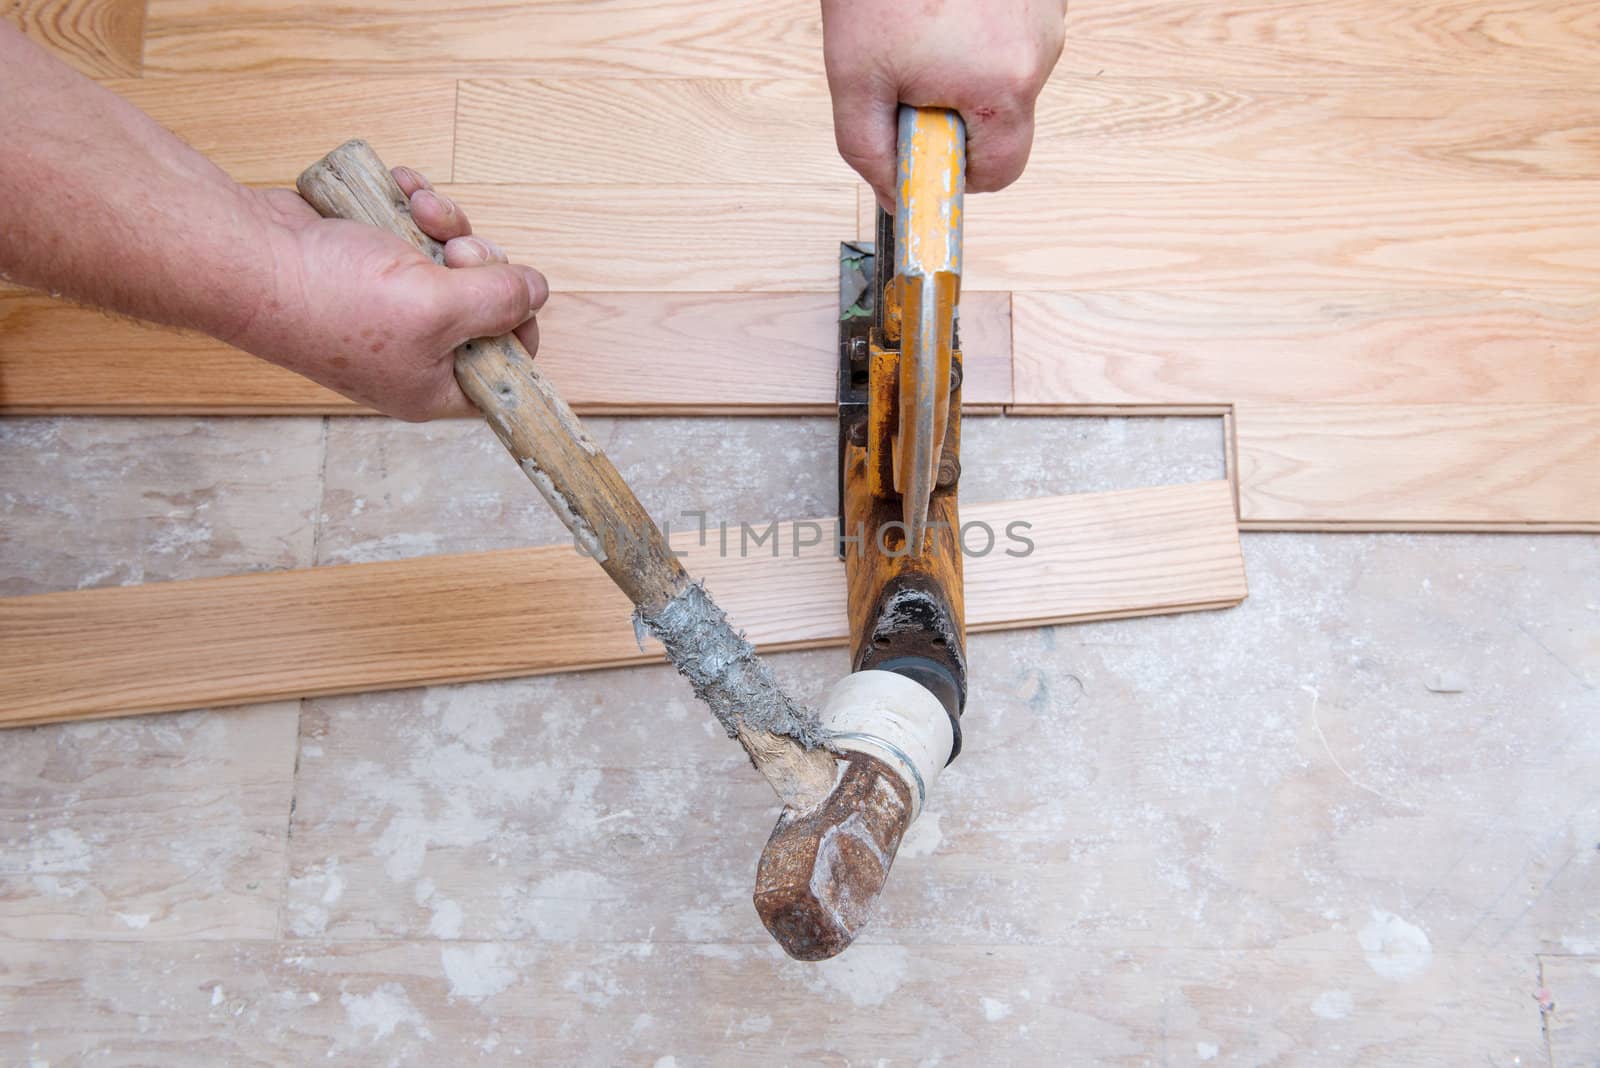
point(574, 475)
point(530, 418)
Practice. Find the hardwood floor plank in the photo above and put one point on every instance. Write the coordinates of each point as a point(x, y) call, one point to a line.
point(1175, 350)
point(676, 131)
point(1480, 39)
point(101, 38)
point(649, 238)
point(633, 353)
point(268, 130)
point(1327, 129)
point(437, 619)
point(1461, 466)
point(550, 38)
point(1314, 129)
point(1506, 40)
point(1047, 235)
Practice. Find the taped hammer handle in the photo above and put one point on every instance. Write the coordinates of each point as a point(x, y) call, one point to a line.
point(557, 454)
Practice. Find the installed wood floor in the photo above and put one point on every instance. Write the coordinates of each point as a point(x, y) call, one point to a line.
point(1359, 220)
point(1351, 822)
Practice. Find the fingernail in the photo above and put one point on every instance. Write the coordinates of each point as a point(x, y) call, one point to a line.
point(479, 246)
point(438, 202)
point(538, 288)
point(416, 177)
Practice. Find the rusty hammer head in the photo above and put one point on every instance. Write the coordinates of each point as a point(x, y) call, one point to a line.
point(823, 868)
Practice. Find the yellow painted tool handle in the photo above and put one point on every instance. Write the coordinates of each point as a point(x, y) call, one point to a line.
point(932, 175)
point(930, 181)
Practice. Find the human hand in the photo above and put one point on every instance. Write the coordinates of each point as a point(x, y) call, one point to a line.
point(987, 59)
point(364, 313)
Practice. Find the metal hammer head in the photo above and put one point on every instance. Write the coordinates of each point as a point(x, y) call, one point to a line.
point(822, 869)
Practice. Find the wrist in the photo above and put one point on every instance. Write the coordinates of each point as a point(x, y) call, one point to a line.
point(263, 283)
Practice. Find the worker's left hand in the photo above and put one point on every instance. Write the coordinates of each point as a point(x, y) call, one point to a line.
point(987, 59)
point(366, 314)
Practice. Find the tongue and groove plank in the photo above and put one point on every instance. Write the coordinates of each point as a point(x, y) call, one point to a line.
point(1280, 39)
point(684, 238)
point(101, 38)
point(1419, 467)
point(267, 130)
point(575, 130)
point(123, 650)
point(1502, 40)
point(1179, 351)
point(572, 38)
point(1283, 236)
point(1363, 411)
point(621, 353)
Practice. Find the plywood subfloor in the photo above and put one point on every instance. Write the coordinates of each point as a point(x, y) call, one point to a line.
point(1257, 831)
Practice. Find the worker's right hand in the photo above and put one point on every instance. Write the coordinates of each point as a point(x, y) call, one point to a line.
point(366, 314)
point(987, 59)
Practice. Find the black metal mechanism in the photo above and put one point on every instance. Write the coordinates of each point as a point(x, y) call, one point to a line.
point(858, 303)
point(915, 632)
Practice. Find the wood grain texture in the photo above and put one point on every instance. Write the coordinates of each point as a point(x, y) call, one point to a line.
point(1349, 466)
point(716, 131)
point(549, 38)
point(101, 38)
point(629, 353)
point(1284, 236)
point(1317, 129)
point(1179, 350)
point(684, 238)
point(519, 612)
point(1482, 39)
point(267, 129)
point(1168, 130)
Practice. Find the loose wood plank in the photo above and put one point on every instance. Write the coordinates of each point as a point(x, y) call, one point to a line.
point(1414, 467)
point(1098, 350)
point(101, 38)
point(268, 129)
point(554, 38)
point(630, 353)
point(532, 611)
point(1484, 39)
point(1283, 236)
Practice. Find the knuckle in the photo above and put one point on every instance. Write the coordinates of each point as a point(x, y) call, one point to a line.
point(505, 291)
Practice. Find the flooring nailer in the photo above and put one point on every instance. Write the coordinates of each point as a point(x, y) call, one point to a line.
point(853, 779)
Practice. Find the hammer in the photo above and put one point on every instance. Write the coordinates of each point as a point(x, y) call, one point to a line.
point(849, 790)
